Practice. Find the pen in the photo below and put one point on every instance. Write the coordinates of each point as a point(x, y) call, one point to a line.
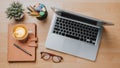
point(22, 49)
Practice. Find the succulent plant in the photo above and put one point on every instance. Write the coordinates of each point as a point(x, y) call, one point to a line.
point(15, 11)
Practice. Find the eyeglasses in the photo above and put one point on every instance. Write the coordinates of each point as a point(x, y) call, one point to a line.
point(55, 58)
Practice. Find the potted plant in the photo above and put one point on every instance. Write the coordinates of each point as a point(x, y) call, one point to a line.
point(15, 11)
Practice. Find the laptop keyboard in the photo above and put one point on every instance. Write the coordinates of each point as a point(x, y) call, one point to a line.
point(75, 30)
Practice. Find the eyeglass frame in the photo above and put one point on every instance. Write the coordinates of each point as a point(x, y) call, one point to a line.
point(51, 55)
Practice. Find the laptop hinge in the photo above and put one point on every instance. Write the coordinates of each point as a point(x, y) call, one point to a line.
point(99, 23)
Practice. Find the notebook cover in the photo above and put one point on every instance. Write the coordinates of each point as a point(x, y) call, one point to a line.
point(14, 53)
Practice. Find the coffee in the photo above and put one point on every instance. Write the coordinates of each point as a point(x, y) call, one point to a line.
point(20, 32)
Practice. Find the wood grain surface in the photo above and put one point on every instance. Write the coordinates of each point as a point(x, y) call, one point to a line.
point(109, 51)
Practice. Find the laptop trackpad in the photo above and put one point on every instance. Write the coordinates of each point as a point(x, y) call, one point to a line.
point(71, 46)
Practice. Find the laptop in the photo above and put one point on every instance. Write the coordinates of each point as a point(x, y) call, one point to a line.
point(75, 34)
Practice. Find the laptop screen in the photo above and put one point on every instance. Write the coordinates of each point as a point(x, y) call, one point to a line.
point(78, 18)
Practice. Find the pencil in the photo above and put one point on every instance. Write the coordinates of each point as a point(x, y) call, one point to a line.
point(22, 49)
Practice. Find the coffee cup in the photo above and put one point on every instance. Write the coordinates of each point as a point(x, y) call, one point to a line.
point(20, 32)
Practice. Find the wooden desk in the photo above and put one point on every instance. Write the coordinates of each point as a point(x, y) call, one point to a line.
point(109, 51)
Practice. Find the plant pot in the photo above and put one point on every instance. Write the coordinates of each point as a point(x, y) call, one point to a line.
point(21, 18)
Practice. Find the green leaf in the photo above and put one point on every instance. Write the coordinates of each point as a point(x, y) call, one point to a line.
point(15, 10)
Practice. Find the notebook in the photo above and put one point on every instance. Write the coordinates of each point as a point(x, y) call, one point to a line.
point(16, 54)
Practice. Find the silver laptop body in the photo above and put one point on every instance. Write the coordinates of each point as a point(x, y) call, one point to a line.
point(75, 34)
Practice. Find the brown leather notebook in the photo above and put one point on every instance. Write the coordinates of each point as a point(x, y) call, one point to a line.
point(15, 53)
